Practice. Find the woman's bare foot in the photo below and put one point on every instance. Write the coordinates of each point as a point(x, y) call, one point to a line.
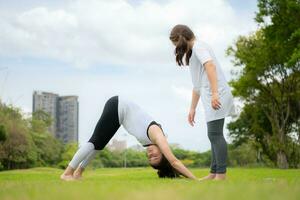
point(66, 177)
point(68, 174)
point(78, 173)
point(220, 177)
point(208, 177)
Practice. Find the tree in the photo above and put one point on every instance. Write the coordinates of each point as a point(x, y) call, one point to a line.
point(268, 78)
point(40, 121)
point(27, 142)
point(67, 155)
point(280, 23)
point(3, 134)
point(17, 151)
point(48, 148)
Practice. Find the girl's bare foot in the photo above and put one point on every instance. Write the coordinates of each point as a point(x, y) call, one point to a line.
point(220, 177)
point(78, 173)
point(68, 174)
point(208, 177)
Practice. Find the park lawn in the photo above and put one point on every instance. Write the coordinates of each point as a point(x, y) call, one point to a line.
point(142, 184)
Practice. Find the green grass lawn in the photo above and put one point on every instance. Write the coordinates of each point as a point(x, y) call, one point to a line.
point(142, 184)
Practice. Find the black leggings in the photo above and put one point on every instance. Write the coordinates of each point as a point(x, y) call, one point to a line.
point(218, 146)
point(107, 125)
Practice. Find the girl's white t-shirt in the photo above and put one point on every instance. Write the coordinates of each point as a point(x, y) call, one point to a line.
point(201, 53)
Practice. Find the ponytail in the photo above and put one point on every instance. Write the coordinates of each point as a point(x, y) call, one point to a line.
point(180, 50)
point(182, 34)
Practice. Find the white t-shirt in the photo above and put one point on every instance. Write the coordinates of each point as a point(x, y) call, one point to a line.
point(200, 55)
point(134, 120)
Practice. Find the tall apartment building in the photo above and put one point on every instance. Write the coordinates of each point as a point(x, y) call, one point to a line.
point(67, 120)
point(46, 102)
point(64, 112)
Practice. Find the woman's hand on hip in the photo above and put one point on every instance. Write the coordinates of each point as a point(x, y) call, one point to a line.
point(191, 117)
point(215, 101)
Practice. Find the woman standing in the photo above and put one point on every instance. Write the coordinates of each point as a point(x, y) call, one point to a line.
point(209, 82)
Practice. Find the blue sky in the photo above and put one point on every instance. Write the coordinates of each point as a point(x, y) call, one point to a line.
point(96, 49)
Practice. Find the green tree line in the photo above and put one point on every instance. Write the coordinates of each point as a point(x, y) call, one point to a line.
point(26, 143)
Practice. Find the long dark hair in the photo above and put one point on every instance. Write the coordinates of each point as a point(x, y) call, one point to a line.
point(181, 34)
point(165, 170)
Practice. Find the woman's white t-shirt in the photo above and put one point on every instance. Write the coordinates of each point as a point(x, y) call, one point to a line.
point(201, 53)
point(135, 120)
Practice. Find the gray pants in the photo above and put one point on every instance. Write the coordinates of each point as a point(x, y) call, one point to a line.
point(218, 146)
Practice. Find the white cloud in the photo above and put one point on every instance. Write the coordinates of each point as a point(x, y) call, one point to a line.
point(84, 33)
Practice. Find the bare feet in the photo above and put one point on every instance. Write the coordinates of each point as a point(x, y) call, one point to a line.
point(78, 173)
point(66, 177)
point(220, 177)
point(208, 177)
point(68, 174)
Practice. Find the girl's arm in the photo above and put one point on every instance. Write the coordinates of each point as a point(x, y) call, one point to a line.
point(212, 77)
point(194, 103)
point(157, 137)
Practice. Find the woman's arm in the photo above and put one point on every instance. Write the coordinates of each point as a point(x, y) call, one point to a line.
point(213, 80)
point(157, 137)
point(192, 113)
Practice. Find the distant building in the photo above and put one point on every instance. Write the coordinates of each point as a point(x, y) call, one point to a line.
point(46, 102)
point(64, 112)
point(117, 145)
point(67, 119)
